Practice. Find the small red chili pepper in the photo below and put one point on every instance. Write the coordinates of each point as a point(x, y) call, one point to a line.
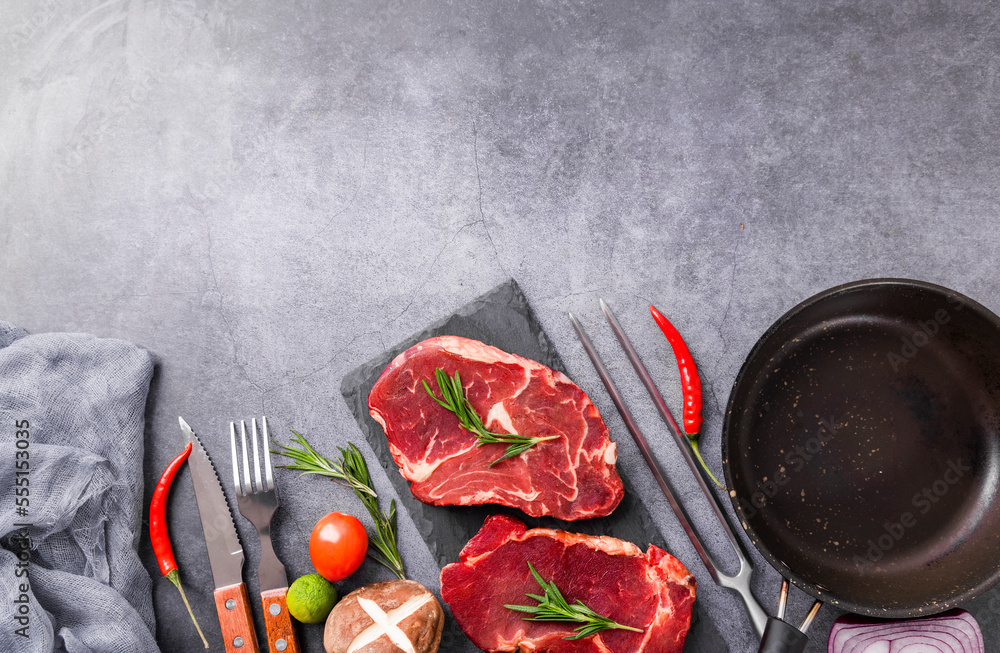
point(690, 384)
point(158, 530)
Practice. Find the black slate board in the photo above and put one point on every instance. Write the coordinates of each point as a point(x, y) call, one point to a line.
point(501, 318)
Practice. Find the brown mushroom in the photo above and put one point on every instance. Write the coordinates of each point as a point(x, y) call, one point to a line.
point(386, 617)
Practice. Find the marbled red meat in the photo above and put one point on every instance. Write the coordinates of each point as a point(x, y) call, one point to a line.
point(570, 477)
point(652, 591)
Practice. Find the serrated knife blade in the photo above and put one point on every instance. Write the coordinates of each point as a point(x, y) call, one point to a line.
point(224, 551)
point(225, 555)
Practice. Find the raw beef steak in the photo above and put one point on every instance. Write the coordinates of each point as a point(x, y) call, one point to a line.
point(570, 477)
point(651, 591)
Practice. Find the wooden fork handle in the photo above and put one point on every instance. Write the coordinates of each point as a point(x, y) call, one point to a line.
point(280, 633)
point(233, 605)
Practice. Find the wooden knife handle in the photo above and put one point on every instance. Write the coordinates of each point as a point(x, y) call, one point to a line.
point(233, 604)
point(280, 634)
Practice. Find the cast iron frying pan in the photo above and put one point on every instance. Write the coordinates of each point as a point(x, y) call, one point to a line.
point(861, 447)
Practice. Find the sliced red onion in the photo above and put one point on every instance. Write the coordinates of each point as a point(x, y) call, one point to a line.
point(955, 631)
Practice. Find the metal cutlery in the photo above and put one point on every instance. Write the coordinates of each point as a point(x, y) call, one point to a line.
point(225, 555)
point(258, 502)
point(776, 635)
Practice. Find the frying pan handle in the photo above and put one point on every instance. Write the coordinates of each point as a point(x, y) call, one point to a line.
point(781, 637)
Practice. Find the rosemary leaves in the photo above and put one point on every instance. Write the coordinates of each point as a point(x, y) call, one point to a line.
point(553, 607)
point(351, 470)
point(453, 399)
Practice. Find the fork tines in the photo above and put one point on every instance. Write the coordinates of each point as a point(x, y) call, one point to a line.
point(246, 488)
point(258, 501)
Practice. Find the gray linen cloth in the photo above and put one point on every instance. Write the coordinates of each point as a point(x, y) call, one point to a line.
point(75, 404)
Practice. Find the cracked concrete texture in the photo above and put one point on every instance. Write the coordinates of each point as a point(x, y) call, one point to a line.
point(266, 195)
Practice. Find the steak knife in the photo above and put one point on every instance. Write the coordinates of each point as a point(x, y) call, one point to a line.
point(224, 551)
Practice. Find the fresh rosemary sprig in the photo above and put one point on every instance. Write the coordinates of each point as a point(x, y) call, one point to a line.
point(453, 398)
point(351, 470)
point(553, 607)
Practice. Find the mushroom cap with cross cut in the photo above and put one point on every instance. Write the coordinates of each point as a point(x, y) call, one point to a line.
point(387, 617)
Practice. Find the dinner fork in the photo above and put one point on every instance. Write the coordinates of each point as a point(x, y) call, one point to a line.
point(257, 503)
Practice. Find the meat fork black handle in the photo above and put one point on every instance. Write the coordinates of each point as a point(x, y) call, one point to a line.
point(782, 637)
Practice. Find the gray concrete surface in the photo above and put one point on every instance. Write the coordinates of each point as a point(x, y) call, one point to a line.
point(266, 195)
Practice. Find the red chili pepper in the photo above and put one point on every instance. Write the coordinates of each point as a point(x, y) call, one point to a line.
point(690, 385)
point(158, 530)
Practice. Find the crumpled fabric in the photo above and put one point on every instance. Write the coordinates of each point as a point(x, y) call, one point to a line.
point(72, 412)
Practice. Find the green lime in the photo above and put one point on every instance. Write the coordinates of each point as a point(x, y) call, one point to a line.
point(310, 598)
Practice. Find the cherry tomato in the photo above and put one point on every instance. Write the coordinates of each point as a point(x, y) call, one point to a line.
point(338, 546)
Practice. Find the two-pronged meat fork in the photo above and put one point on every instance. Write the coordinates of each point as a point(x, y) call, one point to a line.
point(777, 636)
point(257, 502)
